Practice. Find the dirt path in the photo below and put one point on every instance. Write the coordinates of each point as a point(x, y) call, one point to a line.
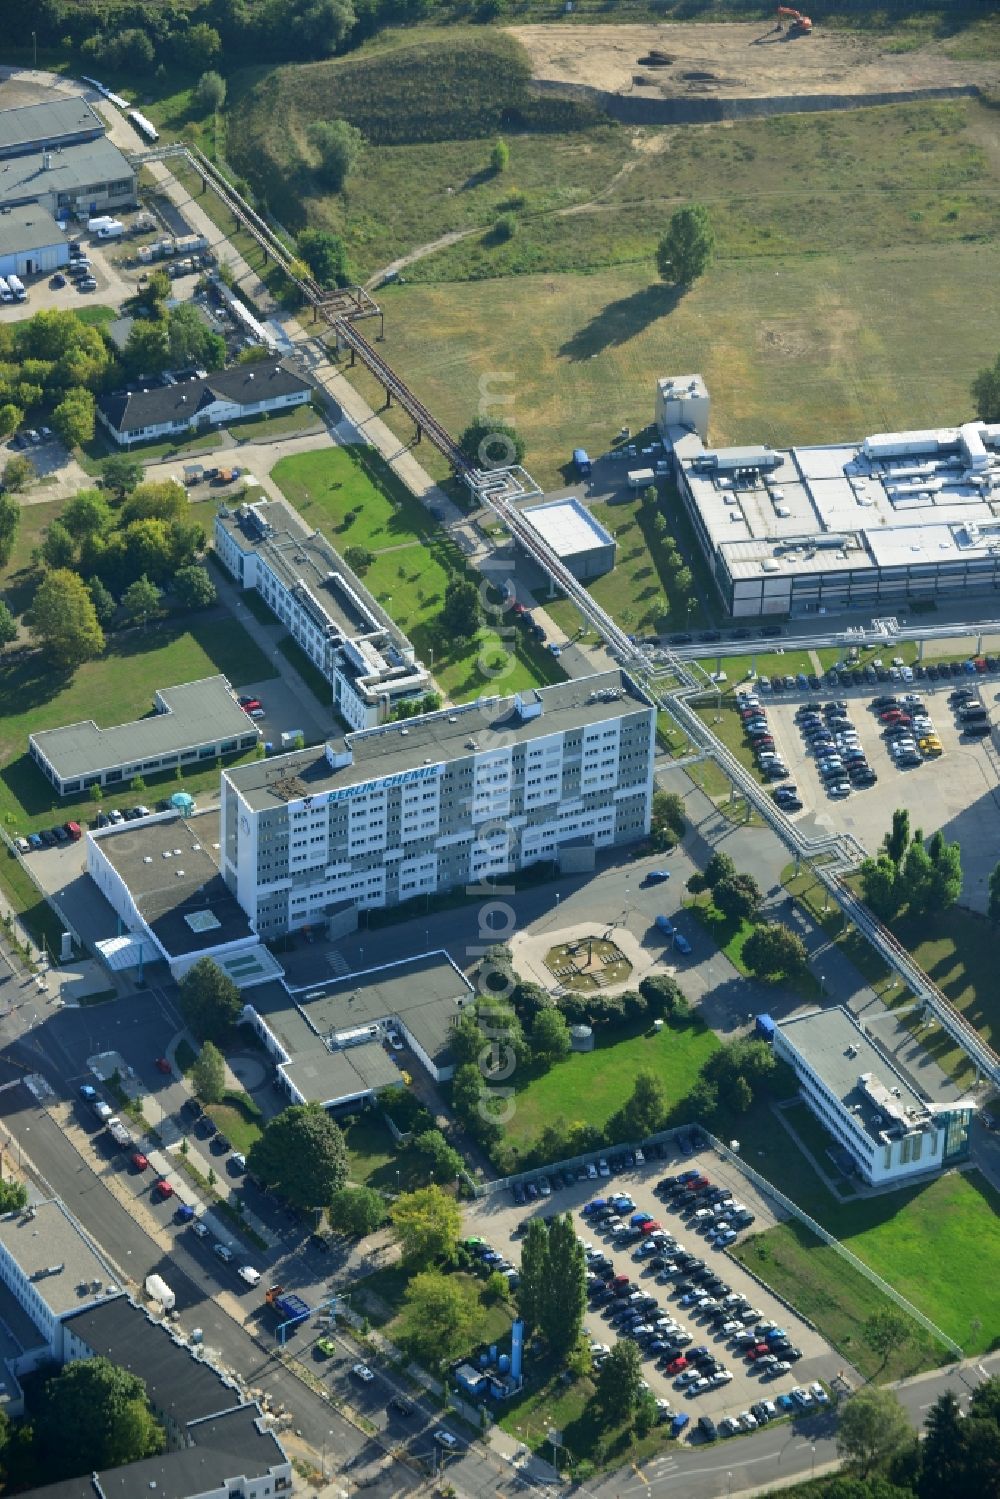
point(392, 270)
point(737, 60)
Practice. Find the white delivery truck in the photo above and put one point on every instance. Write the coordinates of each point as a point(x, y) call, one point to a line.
point(93, 225)
point(114, 230)
point(6, 295)
point(17, 287)
point(158, 1290)
point(641, 478)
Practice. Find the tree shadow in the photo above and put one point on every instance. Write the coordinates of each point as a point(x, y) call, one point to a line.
point(620, 321)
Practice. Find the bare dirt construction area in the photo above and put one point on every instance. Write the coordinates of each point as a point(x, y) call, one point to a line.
point(737, 61)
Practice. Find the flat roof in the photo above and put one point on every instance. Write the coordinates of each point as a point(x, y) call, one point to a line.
point(324, 1077)
point(170, 865)
point(55, 1255)
point(196, 713)
point(490, 724)
point(71, 170)
point(29, 227)
point(30, 125)
point(835, 1047)
point(896, 499)
point(568, 527)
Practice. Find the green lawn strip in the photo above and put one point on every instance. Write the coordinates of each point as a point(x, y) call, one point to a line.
point(310, 673)
point(730, 937)
point(377, 1161)
point(38, 918)
point(824, 1287)
point(96, 316)
point(251, 599)
point(116, 688)
point(327, 485)
point(818, 1142)
point(588, 1087)
point(381, 1297)
point(670, 737)
point(267, 426)
point(237, 1117)
point(19, 578)
point(92, 454)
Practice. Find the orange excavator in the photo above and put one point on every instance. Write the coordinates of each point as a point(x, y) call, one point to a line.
point(801, 25)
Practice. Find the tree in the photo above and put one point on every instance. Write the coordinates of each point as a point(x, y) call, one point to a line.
point(10, 520)
point(201, 44)
point(11, 417)
point(565, 1300)
point(210, 1001)
point(356, 1211)
point(619, 1383)
point(467, 1088)
point(986, 392)
point(147, 350)
point(532, 1284)
point(773, 950)
point(338, 146)
point(499, 157)
point(946, 872)
point(426, 1224)
point(358, 559)
point(917, 875)
point(550, 1040)
point(443, 1159)
point(191, 341)
point(210, 92)
point(703, 1100)
point(94, 1415)
point(121, 474)
point(882, 886)
point(13, 1197)
point(103, 601)
point(663, 996)
point(194, 588)
point(18, 473)
point(738, 897)
point(993, 908)
point(644, 1111)
point(326, 256)
point(157, 499)
point(141, 600)
point(63, 621)
point(87, 514)
point(302, 1154)
point(685, 251)
point(437, 1319)
point(873, 1426)
point(58, 548)
point(462, 614)
point(493, 444)
point(529, 999)
point(897, 840)
point(8, 625)
point(667, 819)
point(208, 1074)
point(73, 418)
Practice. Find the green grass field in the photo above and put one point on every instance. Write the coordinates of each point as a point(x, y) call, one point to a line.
point(239, 1119)
point(114, 689)
point(588, 1087)
point(414, 560)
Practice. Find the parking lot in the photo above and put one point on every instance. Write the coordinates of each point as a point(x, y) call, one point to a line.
point(956, 789)
point(498, 1220)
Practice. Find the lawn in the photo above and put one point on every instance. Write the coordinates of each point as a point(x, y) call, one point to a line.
point(116, 688)
point(381, 1296)
point(884, 342)
point(238, 1118)
point(353, 496)
point(377, 1161)
point(588, 1087)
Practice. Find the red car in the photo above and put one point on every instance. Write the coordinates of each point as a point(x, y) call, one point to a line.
point(697, 1184)
point(651, 1227)
point(162, 1065)
point(163, 1189)
point(757, 1351)
point(139, 1161)
point(678, 1366)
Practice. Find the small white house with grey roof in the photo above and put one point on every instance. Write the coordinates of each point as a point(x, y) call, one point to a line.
point(174, 407)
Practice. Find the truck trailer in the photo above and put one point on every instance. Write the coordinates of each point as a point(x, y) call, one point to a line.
point(289, 1307)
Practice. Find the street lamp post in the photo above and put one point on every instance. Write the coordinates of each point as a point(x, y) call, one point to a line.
point(822, 986)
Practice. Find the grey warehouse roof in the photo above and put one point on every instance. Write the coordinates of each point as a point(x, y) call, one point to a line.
point(568, 527)
point(837, 1050)
point(31, 126)
point(30, 227)
point(489, 724)
point(74, 168)
point(169, 865)
point(195, 713)
point(244, 384)
point(55, 1255)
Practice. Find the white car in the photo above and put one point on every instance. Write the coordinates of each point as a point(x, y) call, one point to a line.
point(362, 1372)
point(801, 1397)
point(393, 1039)
point(777, 1370)
point(688, 1376)
point(818, 1393)
point(442, 1437)
point(722, 1376)
point(201, 1229)
point(598, 1349)
point(603, 1169)
point(728, 1328)
point(748, 1421)
point(729, 1426)
point(591, 1171)
point(249, 1274)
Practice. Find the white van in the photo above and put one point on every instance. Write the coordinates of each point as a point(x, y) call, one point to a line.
point(6, 295)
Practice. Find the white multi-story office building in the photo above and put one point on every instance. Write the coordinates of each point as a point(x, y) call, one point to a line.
point(439, 801)
point(891, 1133)
point(366, 658)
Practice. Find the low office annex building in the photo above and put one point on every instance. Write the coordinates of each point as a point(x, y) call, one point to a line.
point(890, 1133)
point(450, 798)
point(894, 518)
point(172, 407)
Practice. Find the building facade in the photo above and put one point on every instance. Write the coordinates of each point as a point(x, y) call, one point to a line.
point(31, 242)
point(444, 800)
point(366, 658)
point(177, 406)
point(874, 525)
point(890, 1132)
